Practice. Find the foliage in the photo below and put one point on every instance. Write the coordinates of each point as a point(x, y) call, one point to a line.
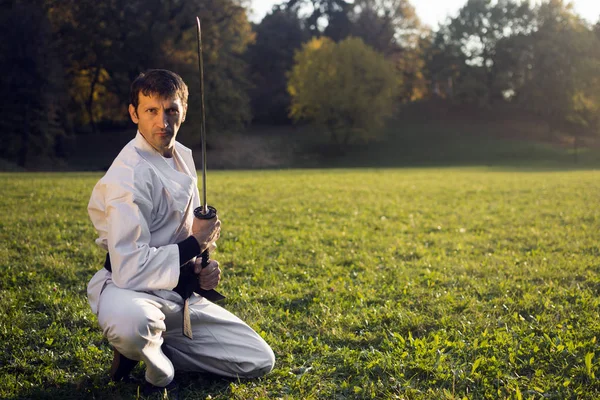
point(323, 15)
point(227, 37)
point(413, 283)
point(411, 66)
point(108, 44)
point(347, 89)
point(563, 82)
point(545, 58)
point(477, 29)
point(387, 26)
point(444, 65)
point(270, 58)
point(391, 27)
point(69, 63)
point(394, 29)
point(32, 116)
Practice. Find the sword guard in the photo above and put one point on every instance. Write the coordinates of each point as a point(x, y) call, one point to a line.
point(198, 213)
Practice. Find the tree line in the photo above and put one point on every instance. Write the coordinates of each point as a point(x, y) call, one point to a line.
point(66, 65)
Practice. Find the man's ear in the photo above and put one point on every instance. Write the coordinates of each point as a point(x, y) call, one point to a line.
point(133, 114)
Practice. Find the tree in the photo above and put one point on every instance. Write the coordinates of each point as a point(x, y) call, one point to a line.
point(393, 28)
point(107, 44)
point(444, 66)
point(32, 117)
point(226, 33)
point(278, 36)
point(388, 26)
point(563, 82)
point(477, 29)
point(346, 89)
point(323, 14)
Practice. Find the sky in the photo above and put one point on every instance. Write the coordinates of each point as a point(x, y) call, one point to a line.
point(433, 11)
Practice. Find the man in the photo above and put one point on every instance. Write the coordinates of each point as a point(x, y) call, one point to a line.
point(143, 211)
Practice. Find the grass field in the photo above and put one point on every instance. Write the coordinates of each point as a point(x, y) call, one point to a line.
point(390, 284)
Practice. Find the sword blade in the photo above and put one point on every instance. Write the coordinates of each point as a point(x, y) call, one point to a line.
point(203, 124)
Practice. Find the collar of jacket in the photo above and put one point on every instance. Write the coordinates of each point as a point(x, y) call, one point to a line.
point(180, 184)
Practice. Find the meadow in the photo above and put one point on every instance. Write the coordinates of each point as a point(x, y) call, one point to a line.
point(429, 283)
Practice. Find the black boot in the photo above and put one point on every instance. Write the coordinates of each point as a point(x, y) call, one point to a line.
point(121, 367)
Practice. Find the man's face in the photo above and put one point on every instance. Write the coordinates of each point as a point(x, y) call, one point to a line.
point(158, 120)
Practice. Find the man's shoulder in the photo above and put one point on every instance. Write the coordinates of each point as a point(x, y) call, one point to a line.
point(128, 168)
point(182, 149)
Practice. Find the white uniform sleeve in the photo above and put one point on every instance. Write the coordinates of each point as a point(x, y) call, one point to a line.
point(135, 264)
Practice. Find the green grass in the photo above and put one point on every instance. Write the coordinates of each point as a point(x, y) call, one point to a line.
point(400, 283)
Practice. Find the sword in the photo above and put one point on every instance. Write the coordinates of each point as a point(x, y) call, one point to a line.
point(204, 211)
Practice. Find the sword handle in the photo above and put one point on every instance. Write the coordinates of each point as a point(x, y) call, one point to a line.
point(200, 214)
point(205, 258)
point(211, 213)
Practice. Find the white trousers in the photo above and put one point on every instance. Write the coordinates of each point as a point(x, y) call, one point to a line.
point(145, 327)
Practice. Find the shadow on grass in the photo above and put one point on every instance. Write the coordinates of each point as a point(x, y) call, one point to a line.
point(191, 386)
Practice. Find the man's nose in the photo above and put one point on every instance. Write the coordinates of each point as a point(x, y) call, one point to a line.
point(165, 119)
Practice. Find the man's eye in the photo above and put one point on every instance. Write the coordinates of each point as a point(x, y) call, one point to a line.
point(173, 111)
point(152, 111)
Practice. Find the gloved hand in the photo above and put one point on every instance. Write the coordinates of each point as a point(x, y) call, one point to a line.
point(209, 276)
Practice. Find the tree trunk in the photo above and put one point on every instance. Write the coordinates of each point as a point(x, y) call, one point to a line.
point(490, 77)
point(24, 150)
point(90, 102)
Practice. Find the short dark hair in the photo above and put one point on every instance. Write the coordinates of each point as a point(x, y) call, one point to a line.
point(159, 82)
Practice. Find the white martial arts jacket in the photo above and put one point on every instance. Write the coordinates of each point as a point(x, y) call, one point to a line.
point(141, 208)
